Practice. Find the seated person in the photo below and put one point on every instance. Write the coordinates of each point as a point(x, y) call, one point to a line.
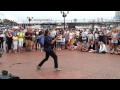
point(84, 47)
point(118, 50)
point(92, 46)
point(110, 50)
point(75, 44)
point(79, 45)
point(98, 47)
point(71, 47)
point(103, 48)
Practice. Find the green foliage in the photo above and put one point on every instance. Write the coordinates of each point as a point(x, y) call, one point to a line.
point(8, 22)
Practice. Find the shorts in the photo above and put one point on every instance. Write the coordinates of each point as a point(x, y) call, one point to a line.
point(20, 43)
point(15, 44)
point(59, 43)
point(28, 42)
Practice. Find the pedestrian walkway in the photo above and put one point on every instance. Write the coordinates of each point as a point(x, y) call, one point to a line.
point(74, 65)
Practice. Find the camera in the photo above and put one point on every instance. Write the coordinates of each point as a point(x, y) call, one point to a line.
point(7, 75)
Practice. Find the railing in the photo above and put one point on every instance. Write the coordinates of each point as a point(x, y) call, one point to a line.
point(72, 21)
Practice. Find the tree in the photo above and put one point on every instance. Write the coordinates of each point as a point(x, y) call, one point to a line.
point(8, 22)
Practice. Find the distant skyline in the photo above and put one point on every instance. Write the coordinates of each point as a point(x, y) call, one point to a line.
point(55, 15)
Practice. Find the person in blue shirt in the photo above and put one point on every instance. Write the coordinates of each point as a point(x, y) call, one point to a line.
point(41, 41)
point(48, 48)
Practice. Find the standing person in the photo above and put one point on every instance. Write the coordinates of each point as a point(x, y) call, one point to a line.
point(114, 40)
point(28, 40)
point(90, 37)
point(37, 40)
point(84, 35)
point(59, 41)
point(118, 37)
point(41, 39)
point(100, 34)
point(34, 40)
point(1, 44)
point(96, 38)
point(66, 40)
point(20, 35)
point(41, 42)
point(15, 42)
point(2, 36)
point(49, 51)
point(53, 34)
point(9, 41)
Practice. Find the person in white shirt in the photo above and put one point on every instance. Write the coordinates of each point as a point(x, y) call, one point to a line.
point(53, 34)
point(103, 48)
point(84, 35)
point(15, 42)
point(59, 41)
point(3, 44)
point(90, 37)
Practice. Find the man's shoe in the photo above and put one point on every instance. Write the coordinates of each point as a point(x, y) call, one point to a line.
point(57, 69)
point(39, 68)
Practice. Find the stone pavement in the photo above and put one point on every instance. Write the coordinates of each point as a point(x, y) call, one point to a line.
point(74, 65)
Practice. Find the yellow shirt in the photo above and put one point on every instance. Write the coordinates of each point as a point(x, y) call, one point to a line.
point(20, 34)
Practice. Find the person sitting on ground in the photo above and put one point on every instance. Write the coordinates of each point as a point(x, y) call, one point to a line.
point(118, 50)
point(92, 46)
point(79, 45)
point(84, 47)
point(71, 47)
point(103, 48)
point(75, 44)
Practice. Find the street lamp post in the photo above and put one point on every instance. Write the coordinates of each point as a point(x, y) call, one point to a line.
point(64, 15)
point(29, 19)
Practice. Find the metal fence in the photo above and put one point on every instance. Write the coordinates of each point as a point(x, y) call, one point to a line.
point(71, 21)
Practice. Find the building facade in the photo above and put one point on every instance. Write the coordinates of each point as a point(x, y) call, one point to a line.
point(117, 15)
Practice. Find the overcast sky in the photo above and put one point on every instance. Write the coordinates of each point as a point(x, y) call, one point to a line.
point(55, 15)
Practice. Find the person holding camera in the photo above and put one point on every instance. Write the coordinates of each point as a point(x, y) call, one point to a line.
point(1, 44)
point(6, 75)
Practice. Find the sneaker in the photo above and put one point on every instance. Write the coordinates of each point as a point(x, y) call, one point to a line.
point(41, 50)
point(39, 68)
point(57, 69)
point(90, 51)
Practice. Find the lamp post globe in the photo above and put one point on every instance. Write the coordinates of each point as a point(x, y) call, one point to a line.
point(29, 19)
point(64, 15)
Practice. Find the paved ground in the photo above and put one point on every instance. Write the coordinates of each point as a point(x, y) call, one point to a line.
point(74, 65)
